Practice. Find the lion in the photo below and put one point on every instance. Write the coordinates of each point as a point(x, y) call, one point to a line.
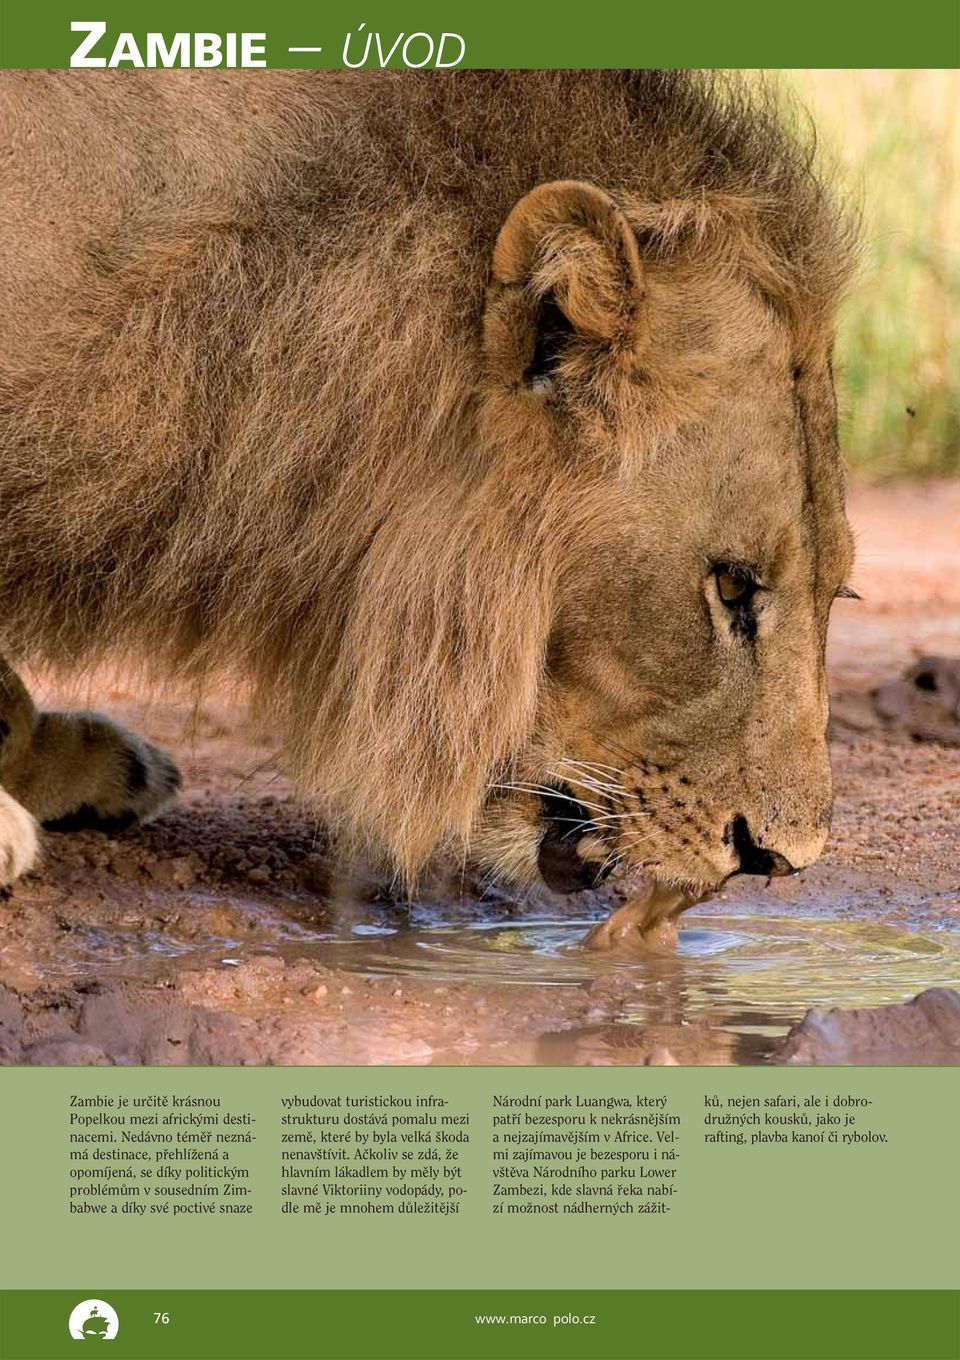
point(483, 421)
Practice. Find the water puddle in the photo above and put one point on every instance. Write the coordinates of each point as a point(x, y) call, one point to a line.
point(812, 961)
point(744, 970)
point(771, 969)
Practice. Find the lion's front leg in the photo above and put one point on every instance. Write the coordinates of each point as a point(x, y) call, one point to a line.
point(77, 770)
point(18, 840)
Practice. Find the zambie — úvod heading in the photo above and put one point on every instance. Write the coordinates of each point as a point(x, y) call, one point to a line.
point(95, 46)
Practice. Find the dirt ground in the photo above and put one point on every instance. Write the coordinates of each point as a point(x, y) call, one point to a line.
point(218, 934)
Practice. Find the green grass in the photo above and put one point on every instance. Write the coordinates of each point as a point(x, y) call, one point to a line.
point(895, 138)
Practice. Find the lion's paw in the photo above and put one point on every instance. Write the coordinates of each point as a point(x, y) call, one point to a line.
point(19, 843)
point(110, 777)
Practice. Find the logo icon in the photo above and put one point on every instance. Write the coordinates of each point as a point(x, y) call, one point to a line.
point(93, 1320)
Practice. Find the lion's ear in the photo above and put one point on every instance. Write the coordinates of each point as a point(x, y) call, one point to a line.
point(565, 266)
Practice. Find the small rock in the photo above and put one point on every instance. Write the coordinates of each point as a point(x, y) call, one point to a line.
point(660, 1057)
point(183, 870)
point(921, 1032)
point(268, 962)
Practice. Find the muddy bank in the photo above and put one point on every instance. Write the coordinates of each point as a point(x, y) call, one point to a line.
point(220, 934)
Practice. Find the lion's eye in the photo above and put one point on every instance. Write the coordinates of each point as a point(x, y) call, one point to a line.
point(734, 585)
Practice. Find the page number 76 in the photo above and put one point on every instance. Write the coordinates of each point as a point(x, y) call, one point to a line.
point(161, 1319)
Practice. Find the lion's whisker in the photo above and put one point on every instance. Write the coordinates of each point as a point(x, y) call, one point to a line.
point(591, 765)
point(615, 748)
point(596, 786)
point(590, 777)
point(619, 817)
point(544, 792)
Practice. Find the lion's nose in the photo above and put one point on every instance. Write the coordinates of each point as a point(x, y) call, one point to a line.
point(754, 858)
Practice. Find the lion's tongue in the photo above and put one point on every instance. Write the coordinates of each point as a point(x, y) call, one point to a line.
point(647, 918)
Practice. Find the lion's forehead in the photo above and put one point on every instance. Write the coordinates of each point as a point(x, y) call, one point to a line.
point(718, 311)
point(739, 483)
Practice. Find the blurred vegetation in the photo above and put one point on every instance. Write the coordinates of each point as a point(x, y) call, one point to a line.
point(894, 137)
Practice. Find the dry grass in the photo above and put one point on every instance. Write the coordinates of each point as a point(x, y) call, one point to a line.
point(895, 137)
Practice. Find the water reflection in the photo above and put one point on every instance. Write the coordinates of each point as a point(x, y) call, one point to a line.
point(750, 976)
point(742, 974)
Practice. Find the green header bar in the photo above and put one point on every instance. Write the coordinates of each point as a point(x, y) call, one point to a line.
point(410, 33)
point(462, 1324)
